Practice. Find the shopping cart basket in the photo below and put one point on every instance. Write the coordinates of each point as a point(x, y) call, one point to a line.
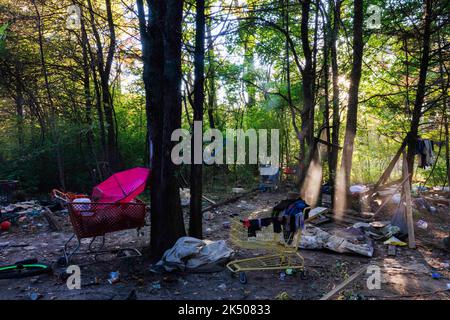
point(96, 219)
point(283, 247)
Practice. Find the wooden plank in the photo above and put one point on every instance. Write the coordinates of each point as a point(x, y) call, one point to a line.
point(391, 165)
point(52, 223)
point(343, 284)
point(392, 195)
point(409, 217)
point(227, 201)
point(208, 199)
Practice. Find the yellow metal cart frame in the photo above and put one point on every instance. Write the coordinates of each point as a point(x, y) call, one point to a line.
point(283, 245)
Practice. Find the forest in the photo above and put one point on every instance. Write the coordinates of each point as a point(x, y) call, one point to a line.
point(90, 88)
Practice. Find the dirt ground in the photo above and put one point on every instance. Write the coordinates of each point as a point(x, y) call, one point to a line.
point(404, 276)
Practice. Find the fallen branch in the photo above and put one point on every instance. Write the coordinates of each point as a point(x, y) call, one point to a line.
point(343, 284)
point(52, 223)
point(227, 201)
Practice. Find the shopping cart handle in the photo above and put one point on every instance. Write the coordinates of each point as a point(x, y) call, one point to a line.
point(57, 194)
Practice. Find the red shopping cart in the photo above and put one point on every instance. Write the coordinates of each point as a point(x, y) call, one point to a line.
point(112, 207)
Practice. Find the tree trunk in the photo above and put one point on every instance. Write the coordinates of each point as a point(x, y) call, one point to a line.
point(19, 105)
point(335, 79)
point(420, 94)
point(87, 90)
point(53, 126)
point(352, 110)
point(307, 89)
point(104, 69)
point(211, 79)
point(161, 50)
point(195, 221)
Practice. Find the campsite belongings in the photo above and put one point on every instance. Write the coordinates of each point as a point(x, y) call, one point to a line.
point(29, 215)
point(422, 224)
point(195, 255)
point(114, 277)
point(350, 240)
point(24, 268)
point(279, 234)
point(5, 225)
point(112, 207)
point(393, 241)
point(424, 149)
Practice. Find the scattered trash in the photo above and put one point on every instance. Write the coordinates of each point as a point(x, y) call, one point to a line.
point(395, 242)
point(226, 225)
point(35, 296)
point(114, 277)
point(222, 286)
point(282, 276)
point(156, 285)
point(5, 225)
point(350, 240)
point(195, 255)
point(290, 272)
point(237, 190)
point(448, 286)
point(208, 215)
point(358, 188)
point(283, 296)
point(436, 275)
point(422, 224)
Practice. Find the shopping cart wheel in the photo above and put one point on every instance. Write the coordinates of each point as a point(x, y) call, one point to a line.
point(242, 277)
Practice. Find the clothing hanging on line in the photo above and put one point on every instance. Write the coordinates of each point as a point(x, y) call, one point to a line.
point(424, 149)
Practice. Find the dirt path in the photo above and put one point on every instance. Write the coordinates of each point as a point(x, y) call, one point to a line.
point(407, 274)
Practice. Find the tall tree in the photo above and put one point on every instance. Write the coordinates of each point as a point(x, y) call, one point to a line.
point(195, 221)
point(307, 114)
point(104, 66)
point(352, 109)
point(420, 93)
point(53, 124)
point(161, 53)
point(335, 6)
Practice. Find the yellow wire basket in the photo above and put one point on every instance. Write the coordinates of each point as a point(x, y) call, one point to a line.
point(283, 248)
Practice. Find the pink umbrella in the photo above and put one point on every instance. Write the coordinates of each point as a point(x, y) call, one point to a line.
point(122, 186)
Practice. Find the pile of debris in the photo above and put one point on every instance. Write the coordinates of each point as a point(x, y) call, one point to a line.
point(28, 215)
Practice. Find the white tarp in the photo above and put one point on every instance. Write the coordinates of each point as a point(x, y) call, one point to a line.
point(316, 238)
point(195, 255)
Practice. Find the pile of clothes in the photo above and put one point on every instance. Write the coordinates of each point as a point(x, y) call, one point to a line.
point(287, 216)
